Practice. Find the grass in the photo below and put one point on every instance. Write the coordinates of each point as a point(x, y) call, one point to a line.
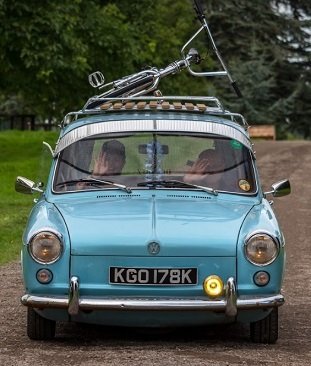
point(22, 153)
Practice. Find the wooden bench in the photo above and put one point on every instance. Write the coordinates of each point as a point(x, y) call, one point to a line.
point(266, 132)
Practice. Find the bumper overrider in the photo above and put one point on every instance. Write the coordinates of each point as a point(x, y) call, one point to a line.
point(229, 304)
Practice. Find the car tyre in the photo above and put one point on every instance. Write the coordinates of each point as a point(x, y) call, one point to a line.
point(265, 330)
point(39, 328)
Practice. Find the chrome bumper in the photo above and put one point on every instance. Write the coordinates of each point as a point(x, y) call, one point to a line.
point(229, 305)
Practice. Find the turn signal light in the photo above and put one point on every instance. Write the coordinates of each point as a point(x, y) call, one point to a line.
point(44, 276)
point(261, 278)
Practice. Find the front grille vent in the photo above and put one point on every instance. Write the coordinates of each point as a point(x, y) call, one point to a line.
point(188, 196)
point(118, 196)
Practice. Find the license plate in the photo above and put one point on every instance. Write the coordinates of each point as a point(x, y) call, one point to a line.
point(152, 276)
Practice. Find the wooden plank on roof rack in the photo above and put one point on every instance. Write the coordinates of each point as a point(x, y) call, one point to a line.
point(141, 105)
point(189, 106)
point(177, 105)
point(153, 104)
point(165, 105)
point(201, 107)
point(105, 106)
point(117, 105)
point(129, 105)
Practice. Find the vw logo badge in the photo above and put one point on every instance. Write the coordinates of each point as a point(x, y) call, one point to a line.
point(153, 248)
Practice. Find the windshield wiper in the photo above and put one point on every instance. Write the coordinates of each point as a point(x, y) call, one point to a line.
point(175, 183)
point(92, 181)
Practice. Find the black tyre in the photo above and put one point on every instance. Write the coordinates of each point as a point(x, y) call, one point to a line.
point(39, 328)
point(267, 329)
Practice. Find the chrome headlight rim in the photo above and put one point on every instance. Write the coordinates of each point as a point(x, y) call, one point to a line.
point(260, 233)
point(50, 231)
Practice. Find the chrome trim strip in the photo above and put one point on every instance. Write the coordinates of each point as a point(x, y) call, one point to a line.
point(246, 303)
point(106, 127)
point(43, 302)
point(207, 127)
point(126, 126)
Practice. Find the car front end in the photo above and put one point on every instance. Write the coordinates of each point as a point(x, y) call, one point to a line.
point(145, 247)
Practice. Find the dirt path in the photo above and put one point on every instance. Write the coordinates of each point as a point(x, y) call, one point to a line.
point(216, 346)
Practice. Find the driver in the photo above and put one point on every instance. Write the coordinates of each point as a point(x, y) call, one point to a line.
point(207, 169)
point(110, 160)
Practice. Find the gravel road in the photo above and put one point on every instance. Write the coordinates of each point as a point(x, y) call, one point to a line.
point(215, 346)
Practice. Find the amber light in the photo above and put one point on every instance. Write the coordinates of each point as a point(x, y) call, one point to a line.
point(213, 286)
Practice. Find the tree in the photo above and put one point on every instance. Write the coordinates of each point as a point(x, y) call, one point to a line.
point(49, 48)
point(268, 51)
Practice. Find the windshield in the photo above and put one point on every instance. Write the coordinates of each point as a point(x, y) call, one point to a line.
point(155, 160)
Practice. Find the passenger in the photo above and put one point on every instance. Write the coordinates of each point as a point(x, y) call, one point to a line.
point(207, 170)
point(110, 160)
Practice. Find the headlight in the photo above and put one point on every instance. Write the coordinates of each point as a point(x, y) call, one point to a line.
point(261, 249)
point(45, 247)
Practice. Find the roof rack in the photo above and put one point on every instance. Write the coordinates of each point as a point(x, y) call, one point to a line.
point(194, 104)
point(208, 102)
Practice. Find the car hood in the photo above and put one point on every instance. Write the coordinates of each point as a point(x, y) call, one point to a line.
point(182, 227)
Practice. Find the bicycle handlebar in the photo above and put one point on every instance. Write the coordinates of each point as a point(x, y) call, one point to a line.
point(145, 81)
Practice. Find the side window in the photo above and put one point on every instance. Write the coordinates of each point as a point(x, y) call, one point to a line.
point(74, 162)
point(44, 165)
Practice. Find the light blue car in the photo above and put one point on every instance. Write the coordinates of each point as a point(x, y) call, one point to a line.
point(153, 215)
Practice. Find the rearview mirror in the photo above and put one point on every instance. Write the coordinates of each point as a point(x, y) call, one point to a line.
point(26, 186)
point(279, 189)
point(162, 149)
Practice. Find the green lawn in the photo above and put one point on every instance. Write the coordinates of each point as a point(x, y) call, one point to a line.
point(22, 153)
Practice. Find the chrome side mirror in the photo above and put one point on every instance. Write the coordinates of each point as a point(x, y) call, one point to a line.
point(279, 189)
point(27, 186)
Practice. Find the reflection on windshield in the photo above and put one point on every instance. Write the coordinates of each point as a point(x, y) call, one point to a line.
point(217, 164)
